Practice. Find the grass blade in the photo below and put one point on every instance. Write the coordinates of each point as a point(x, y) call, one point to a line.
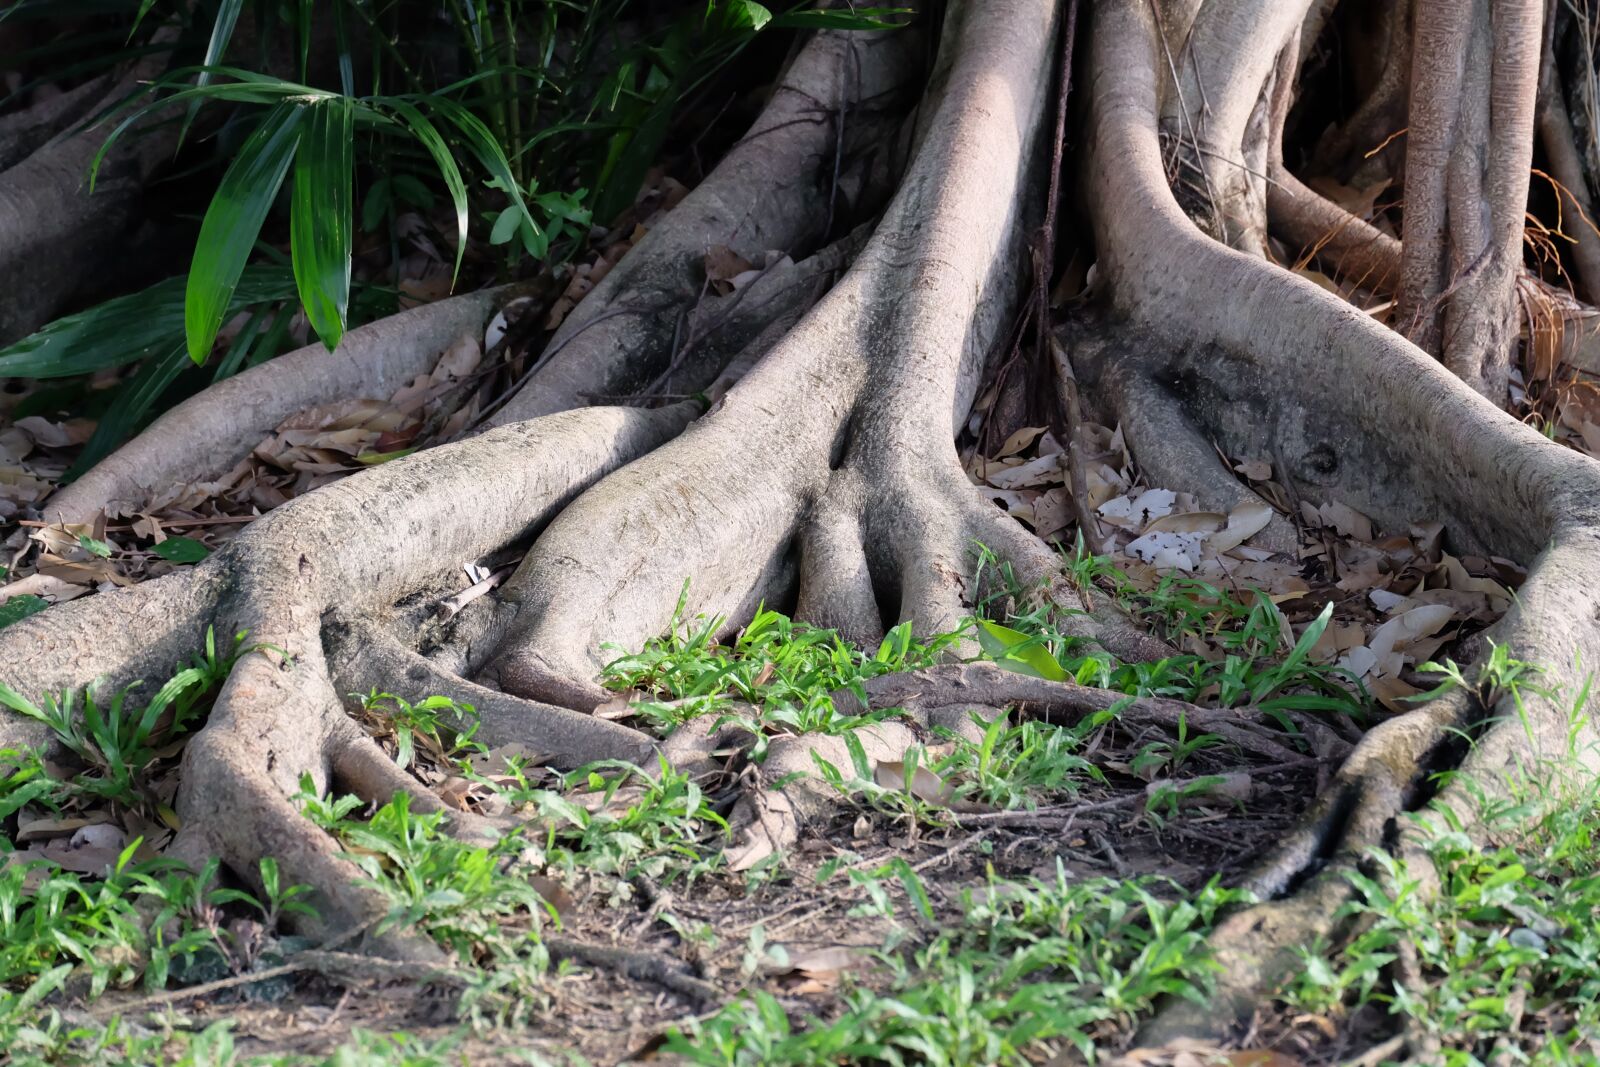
point(320, 216)
point(232, 222)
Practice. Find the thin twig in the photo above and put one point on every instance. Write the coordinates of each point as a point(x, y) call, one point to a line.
point(451, 605)
point(646, 966)
point(303, 961)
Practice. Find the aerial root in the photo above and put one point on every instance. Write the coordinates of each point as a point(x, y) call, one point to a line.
point(279, 720)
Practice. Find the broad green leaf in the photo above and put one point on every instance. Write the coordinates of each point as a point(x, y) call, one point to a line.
point(232, 222)
point(1016, 651)
point(505, 227)
point(94, 547)
point(747, 15)
point(250, 89)
point(320, 216)
point(181, 550)
point(17, 608)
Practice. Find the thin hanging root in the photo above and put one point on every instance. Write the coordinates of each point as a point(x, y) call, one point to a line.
point(1352, 411)
point(204, 436)
point(1309, 221)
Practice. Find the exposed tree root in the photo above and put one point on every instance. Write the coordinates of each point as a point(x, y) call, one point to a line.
point(955, 690)
point(355, 548)
point(204, 436)
point(50, 224)
point(825, 472)
point(1269, 364)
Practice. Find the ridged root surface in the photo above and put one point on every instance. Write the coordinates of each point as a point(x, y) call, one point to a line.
point(825, 475)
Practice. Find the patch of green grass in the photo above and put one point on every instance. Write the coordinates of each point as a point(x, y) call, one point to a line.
point(786, 669)
point(55, 922)
point(441, 726)
point(1508, 951)
point(118, 743)
point(51, 1040)
point(1254, 663)
point(1062, 962)
point(1018, 765)
point(475, 900)
point(630, 822)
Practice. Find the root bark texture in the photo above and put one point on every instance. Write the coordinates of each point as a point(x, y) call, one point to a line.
point(1474, 82)
point(1268, 363)
point(824, 472)
point(50, 223)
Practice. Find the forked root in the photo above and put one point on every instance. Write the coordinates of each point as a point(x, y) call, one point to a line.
point(1350, 412)
point(285, 582)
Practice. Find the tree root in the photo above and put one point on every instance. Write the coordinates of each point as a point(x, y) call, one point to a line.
point(1353, 413)
point(856, 472)
point(285, 581)
point(960, 688)
point(204, 436)
point(50, 224)
point(828, 476)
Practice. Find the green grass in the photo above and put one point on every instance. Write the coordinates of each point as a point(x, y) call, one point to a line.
point(786, 669)
point(1508, 951)
point(118, 744)
point(1023, 966)
point(1063, 962)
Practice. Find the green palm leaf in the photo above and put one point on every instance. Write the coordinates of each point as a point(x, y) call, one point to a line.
point(320, 215)
point(423, 129)
point(233, 220)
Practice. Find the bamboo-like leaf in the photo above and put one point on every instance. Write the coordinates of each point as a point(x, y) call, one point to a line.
point(487, 150)
point(221, 33)
point(134, 400)
point(847, 18)
point(320, 216)
point(232, 222)
point(250, 88)
point(425, 131)
point(126, 329)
